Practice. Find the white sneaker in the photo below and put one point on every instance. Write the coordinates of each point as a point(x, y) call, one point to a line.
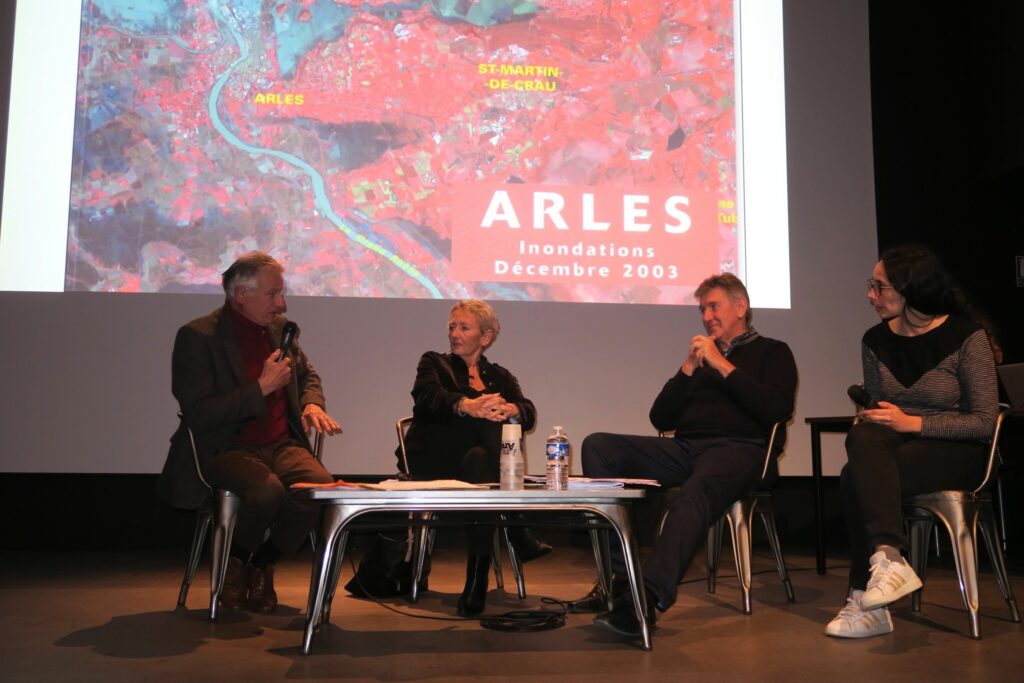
point(889, 582)
point(853, 622)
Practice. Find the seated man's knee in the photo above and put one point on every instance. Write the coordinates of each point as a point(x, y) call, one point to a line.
point(595, 454)
point(266, 495)
point(318, 474)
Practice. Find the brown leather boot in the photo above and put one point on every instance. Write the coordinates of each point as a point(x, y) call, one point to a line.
point(262, 597)
point(235, 593)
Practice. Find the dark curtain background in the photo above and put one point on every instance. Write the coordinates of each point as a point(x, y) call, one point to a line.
point(947, 89)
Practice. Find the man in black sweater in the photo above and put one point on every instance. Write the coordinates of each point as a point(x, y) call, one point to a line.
point(731, 388)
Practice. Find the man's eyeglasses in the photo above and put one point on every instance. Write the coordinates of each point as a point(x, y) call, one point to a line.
point(877, 286)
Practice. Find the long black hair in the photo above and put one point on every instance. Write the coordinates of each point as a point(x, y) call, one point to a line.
point(919, 276)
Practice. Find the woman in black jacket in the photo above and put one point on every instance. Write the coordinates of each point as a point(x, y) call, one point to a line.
point(461, 401)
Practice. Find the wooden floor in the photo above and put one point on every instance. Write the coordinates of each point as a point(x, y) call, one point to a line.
point(111, 618)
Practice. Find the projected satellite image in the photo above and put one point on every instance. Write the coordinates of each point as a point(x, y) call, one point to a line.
point(565, 150)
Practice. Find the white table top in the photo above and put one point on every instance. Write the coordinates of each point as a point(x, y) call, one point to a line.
point(483, 496)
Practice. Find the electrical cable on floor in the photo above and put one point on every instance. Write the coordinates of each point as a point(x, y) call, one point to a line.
point(525, 621)
point(517, 620)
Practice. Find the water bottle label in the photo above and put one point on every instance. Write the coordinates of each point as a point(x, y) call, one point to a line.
point(556, 449)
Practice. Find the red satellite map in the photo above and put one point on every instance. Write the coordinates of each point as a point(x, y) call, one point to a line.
point(566, 150)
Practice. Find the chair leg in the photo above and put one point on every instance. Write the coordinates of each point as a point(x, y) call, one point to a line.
point(603, 559)
point(225, 513)
point(767, 514)
point(961, 520)
point(499, 577)
point(993, 541)
point(203, 519)
point(421, 543)
point(514, 561)
point(714, 551)
point(920, 532)
point(739, 516)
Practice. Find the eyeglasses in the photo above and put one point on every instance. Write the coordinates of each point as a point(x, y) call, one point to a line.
point(877, 286)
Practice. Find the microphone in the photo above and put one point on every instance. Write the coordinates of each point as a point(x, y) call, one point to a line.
point(288, 333)
point(861, 397)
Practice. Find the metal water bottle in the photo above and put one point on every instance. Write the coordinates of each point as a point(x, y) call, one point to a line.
point(557, 452)
point(512, 465)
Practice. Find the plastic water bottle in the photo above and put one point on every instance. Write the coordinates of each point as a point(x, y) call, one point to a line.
point(557, 460)
point(512, 465)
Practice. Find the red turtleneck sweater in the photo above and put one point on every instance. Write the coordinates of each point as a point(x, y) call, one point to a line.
point(255, 345)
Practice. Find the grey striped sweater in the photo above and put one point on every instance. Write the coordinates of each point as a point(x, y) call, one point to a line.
point(946, 375)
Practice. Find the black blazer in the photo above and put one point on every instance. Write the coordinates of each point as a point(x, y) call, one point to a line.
point(442, 380)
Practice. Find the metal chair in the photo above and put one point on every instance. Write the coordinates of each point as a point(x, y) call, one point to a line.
point(739, 516)
point(963, 513)
point(220, 509)
point(423, 538)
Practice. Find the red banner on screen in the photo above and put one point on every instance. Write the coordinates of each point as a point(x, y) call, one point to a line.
point(571, 234)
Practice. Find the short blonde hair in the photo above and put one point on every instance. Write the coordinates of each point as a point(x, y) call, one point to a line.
point(484, 315)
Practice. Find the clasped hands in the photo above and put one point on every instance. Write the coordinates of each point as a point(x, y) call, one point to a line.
point(489, 407)
point(891, 416)
point(704, 351)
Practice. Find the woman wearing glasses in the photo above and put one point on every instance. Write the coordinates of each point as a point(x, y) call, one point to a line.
point(930, 372)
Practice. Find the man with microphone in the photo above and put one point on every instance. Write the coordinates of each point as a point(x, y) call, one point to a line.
point(732, 386)
point(250, 397)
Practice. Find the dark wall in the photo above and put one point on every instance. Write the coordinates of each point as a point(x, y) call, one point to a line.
point(948, 106)
point(948, 123)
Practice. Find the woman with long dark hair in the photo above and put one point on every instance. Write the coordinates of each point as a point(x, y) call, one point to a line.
point(929, 369)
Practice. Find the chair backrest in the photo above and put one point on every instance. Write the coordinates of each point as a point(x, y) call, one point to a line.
point(992, 466)
point(770, 451)
point(195, 452)
point(402, 427)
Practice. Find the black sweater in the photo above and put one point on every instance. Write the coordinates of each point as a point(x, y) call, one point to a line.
point(758, 393)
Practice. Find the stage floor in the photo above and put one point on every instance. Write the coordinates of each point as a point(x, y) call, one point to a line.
point(111, 617)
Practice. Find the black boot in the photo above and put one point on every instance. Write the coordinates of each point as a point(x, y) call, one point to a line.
point(474, 595)
point(235, 593)
point(622, 617)
point(528, 546)
point(596, 601)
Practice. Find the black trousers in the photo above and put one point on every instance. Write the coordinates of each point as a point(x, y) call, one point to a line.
point(713, 473)
point(471, 452)
point(260, 476)
point(884, 467)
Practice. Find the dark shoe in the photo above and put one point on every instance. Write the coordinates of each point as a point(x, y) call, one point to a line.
point(622, 618)
point(262, 597)
point(474, 595)
point(594, 602)
point(528, 546)
point(235, 592)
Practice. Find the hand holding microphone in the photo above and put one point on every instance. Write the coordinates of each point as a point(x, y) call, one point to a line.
point(883, 412)
point(277, 368)
point(288, 333)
